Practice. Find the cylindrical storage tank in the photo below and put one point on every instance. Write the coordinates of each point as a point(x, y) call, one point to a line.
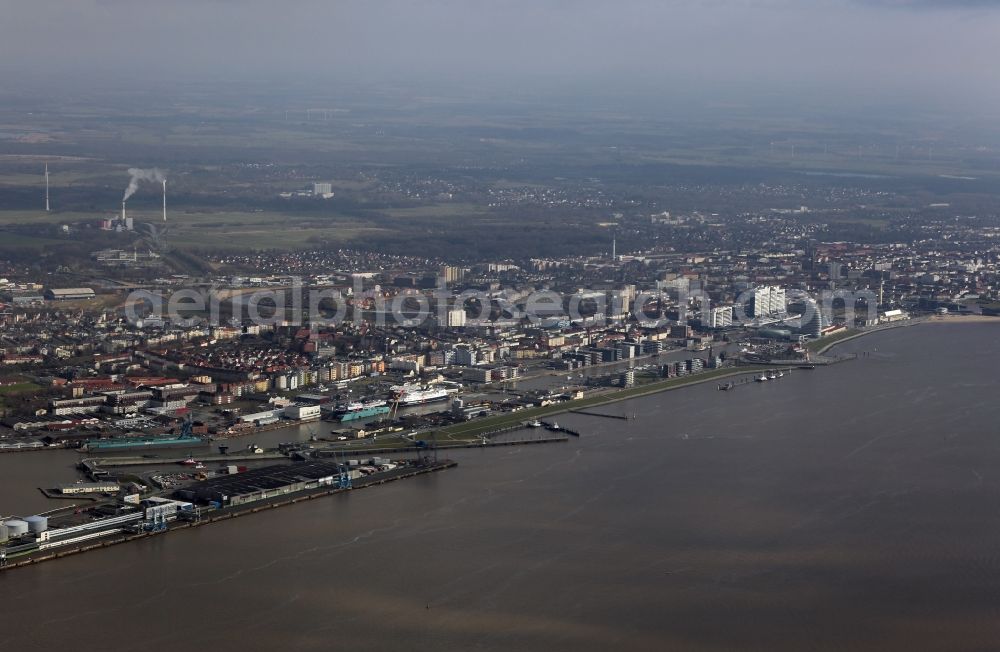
point(37, 524)
point(16, 527)
point(4, 533)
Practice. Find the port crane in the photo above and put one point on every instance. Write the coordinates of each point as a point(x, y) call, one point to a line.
point(393, 411)
point(343, 471)
point(158, 523)
point(422, 445)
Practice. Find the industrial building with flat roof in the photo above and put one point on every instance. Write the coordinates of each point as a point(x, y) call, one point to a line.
point(68, 294)
point(262, 483)
point(87, 488)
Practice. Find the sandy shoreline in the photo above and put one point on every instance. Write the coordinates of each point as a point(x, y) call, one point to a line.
point(941, 319)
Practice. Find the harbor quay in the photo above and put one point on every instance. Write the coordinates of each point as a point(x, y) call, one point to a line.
point(36, 539)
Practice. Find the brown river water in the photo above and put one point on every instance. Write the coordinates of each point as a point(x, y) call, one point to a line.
point(855, 507)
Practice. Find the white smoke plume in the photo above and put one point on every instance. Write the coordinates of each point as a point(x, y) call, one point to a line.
point(138, 174)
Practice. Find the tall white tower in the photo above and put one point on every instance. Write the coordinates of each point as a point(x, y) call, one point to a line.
point(164, 200)
point(46, 187)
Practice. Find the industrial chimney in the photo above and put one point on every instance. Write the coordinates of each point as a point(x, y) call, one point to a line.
point(164, 200)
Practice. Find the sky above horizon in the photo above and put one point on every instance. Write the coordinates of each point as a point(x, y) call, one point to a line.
point(925, 48)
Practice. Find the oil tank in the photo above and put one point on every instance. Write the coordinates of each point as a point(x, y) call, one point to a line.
point(16, 527)
point(37, 524)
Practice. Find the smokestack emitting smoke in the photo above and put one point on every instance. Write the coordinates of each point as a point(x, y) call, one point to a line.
point(138, 174)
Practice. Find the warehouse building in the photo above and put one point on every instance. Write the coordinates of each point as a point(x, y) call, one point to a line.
point(262, 483)
point(303, 412)
point(68, 294)
point(262, 418)
point(87, 488)
point(164, 509)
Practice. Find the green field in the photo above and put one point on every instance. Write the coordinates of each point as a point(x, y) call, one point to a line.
point(217, 230)
point(20, 241)
point(263, 230)
point(41, 217)
point(821, 345)
point(8, 392)
point(18, 388)
point(253, 229)
point(444, 210)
